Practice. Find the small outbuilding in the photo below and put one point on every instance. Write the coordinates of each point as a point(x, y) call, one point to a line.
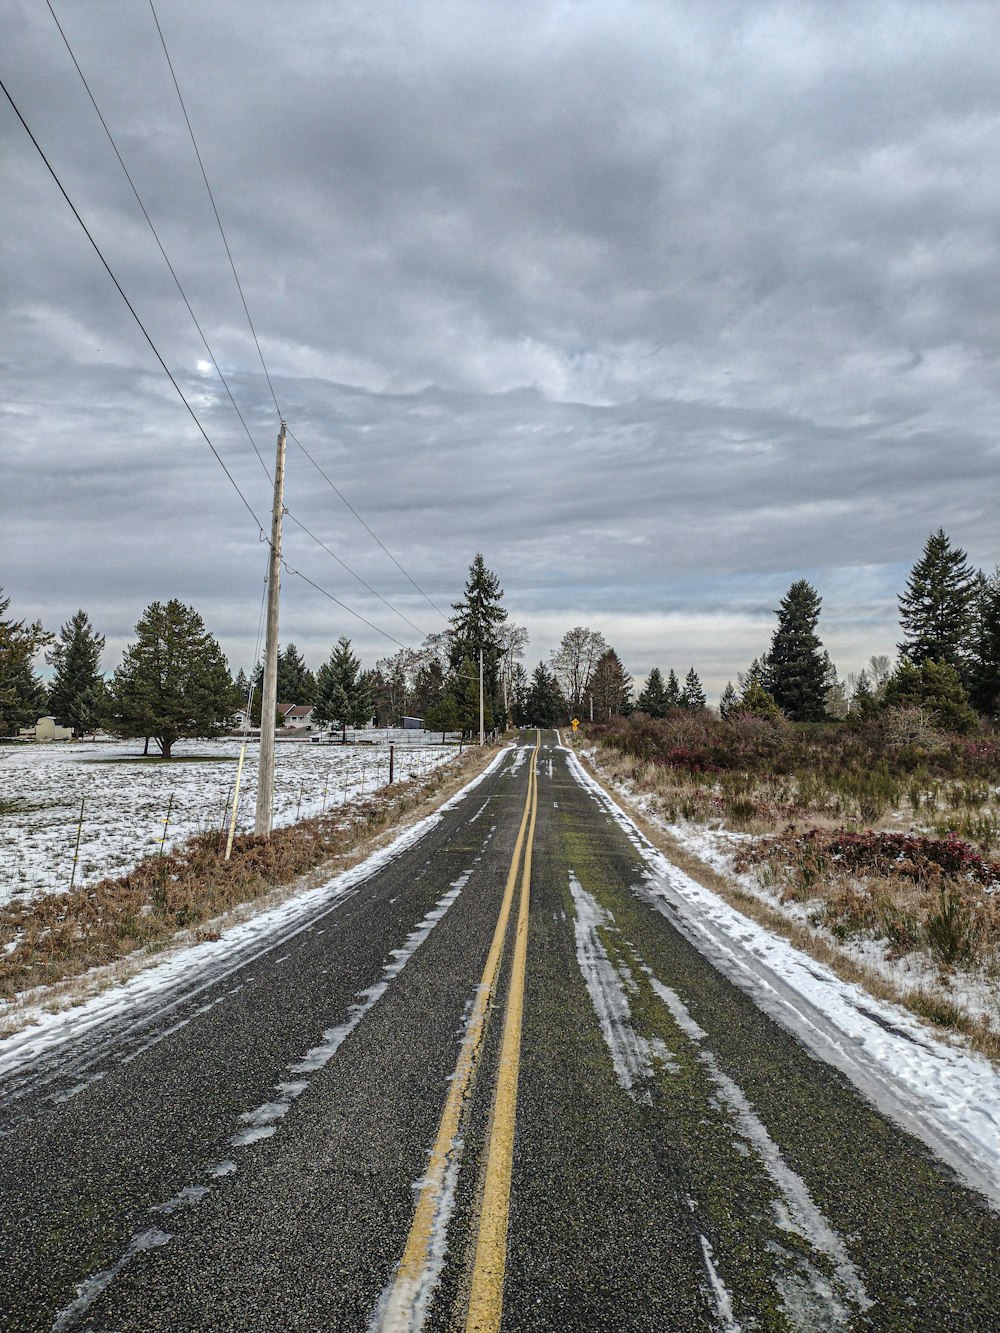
point(48, 729)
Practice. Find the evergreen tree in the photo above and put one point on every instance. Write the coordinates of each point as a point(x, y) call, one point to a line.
point(76, 695)
point(729, 700)
point(519, 695)
point(442, 715)
point(296, 683)
point(863, 698)
point(755, 701)
point(692, 696)
point(795, 666)
point(985, 665)
point(478, 624)
point(544, 705)
point(610, 687)
point(428, 689)
point(343, 694)
point(22, 695)
point(936, 608)
point(173, 682)
point(934, 686)
point(672, 694)
point(653, 699)
point(835, 703)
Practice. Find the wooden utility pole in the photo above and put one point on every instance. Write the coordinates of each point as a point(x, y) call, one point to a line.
point(269, 691)
point(482, 734)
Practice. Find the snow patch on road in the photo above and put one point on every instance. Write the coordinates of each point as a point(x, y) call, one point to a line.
point(948, 1097)
point(723, 1300)
point(798, 1213)
point(88, 1291)
point(318, 1056)
point(631, 1054)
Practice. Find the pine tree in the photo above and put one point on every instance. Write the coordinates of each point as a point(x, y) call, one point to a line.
point(936, 608)
point(173, 682)
point(296, 683)
point(76, 695)
point(428, 688)
point(342, 690)
point(985, 665)
point(729, 700)
point(692, 696)
point(795, 666)
point(518, 695)
point(610, 687)
point(934, 686)
point(22, 695)
point(463, 689)
point(544, 705)
point(755, 701)
point(673, 692)
point(653, 699)
point(863, 698)
point(477, 624)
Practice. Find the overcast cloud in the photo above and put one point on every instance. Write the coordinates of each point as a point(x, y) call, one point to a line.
point(659, 306)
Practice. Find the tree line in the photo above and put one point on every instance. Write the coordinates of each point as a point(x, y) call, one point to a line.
point(174, 680)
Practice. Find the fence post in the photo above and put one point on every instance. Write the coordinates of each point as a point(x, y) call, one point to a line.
point(79, 834)
point(392, 757)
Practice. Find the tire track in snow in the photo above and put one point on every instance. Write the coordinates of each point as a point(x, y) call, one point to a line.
point(811, 1301)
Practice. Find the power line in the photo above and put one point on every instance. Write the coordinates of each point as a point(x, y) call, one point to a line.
point(334, 556)
point(215, 210)
point(169, 374)
point(201, 332)
point(121, 291)
point(374, 537)
point(297, 573)
point(246, 308)
point(156, 238)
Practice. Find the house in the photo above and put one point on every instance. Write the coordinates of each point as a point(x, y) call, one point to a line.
point(297, 716)
point(413, 723)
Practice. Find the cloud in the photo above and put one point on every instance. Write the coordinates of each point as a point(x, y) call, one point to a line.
point(659, 308)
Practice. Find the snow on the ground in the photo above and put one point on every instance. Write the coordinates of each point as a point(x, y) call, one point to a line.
point(182, 973)
point(974, 993)
point(942, 1093)
point(125, 804)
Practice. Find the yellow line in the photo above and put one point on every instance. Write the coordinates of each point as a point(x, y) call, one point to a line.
point(486, 1299)
point(416, 1255)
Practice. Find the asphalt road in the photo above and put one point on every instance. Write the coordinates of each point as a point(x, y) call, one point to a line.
point(491, 1086)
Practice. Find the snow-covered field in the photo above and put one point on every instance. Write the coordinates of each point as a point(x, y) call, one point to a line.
point(125, 803)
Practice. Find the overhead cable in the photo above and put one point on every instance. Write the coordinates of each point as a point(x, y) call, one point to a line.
point(222, 232)
point(121, 291)
point(373, 535)
point(201, 332)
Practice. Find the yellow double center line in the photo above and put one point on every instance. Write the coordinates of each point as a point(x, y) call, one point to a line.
point(486, 1299)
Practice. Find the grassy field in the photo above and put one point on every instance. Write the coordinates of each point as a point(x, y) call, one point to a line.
point(872, 846)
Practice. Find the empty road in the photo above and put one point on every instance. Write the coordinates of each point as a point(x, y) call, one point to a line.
point(489, 1086)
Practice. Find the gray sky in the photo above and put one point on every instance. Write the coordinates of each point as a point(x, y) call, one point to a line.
point(659, 306)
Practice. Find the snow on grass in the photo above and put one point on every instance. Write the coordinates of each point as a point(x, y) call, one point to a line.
point(126, 799)
point(973, 991)
point(947, 1096)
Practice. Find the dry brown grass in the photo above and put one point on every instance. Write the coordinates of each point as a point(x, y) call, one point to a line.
point(110, 930)
point(932, 1006)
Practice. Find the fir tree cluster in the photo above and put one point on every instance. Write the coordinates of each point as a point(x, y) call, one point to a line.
point(174, 681)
